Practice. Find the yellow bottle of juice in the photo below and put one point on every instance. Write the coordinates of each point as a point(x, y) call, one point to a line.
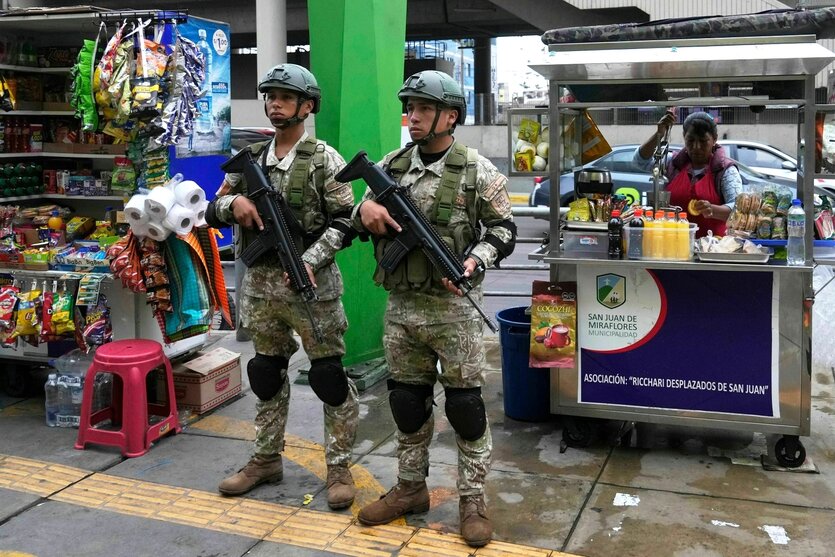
point(683, 237)
point(646, 242)
point(658, 235)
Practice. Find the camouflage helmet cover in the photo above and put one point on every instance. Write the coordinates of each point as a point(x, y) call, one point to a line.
point(295, 78)
point(435, 86)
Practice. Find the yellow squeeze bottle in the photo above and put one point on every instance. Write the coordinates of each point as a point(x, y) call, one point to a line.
point(683, 237)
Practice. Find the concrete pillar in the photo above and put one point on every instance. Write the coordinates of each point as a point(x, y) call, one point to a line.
point(356, 53)
point(271, 33)
point(483, 81)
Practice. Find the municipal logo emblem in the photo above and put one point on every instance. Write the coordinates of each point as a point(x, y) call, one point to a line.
point(611, 290)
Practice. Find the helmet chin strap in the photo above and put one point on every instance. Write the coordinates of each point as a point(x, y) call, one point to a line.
point(432, 134)
point(287, 122)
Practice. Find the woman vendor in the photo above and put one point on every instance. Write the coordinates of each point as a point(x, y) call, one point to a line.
point(701, 172)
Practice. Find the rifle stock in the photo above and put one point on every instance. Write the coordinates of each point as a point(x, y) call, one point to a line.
point(416, 230)
point(276, 236)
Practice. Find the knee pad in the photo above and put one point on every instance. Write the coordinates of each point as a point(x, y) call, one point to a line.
point(266, 375)
point(465, 412)
point(328, 380)
point(411, 405)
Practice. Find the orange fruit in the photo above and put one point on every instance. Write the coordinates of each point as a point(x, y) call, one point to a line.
point(691, 208)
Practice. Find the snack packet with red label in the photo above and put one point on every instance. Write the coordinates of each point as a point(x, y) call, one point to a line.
point(553, 324)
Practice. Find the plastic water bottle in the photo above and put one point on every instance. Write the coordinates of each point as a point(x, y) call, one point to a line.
point(205, 122)
point(51, 400)
point(796, 228)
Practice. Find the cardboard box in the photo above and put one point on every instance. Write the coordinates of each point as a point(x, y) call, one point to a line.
point(204, 382)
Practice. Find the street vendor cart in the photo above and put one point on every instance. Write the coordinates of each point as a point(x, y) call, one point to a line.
point(687, 342)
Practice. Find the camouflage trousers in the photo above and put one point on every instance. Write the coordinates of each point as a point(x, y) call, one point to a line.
point(271, 324)
point(412, 353)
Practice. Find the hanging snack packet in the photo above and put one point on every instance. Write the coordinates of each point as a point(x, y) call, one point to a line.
point(47, 332)
point(62, 313)
point(28, 315)
point(97, 326)
point(8, 302)
point(553, 324)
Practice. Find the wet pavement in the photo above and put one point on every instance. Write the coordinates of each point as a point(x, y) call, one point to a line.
point(663, 491)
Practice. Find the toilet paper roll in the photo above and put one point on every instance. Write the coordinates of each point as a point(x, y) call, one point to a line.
point(189, 194)
point(159, 201)
point(135, 210)
point(179, 219)
point(157, 231)
point(140, 230)
point(200, 215)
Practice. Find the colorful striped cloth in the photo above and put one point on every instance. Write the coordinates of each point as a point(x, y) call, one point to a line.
point(190, 296)
point(208, 243)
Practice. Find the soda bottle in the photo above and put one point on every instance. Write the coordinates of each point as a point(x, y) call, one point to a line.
point(615, 236)
point(796, 229)
point(51, 400)
point(682, 237)
point(636, 235)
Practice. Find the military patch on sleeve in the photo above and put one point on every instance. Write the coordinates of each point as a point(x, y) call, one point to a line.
point(501, 204)
point(494, 187)
point(342, 193)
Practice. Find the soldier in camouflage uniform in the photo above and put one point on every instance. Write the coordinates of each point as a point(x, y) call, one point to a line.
point(302, 169)
point(426, 319)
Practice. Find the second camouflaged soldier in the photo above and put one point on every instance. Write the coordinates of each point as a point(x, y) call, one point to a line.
point(426, 319)
point(302, 169)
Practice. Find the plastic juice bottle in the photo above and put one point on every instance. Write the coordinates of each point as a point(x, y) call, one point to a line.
point(682, 237)
point(648, 226)
point(658, 235)
point(55, 222)
point(670, 235)
point(636, 235)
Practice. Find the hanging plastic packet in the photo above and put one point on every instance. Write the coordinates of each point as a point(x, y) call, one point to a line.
point(62, 313)
point(98, 329)
point(47, 298)
point(553, 341)
point(88, 289)
point(28, 315)
point(145, 87)
point(7, 100)
point(8, 303)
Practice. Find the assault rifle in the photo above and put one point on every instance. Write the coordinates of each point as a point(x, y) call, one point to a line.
point(276, 215)
point(416, 230)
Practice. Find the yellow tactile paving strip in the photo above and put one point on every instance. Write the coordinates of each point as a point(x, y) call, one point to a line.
point(333, 532)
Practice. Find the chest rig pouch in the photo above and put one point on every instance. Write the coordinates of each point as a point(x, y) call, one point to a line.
point(308, 220)
point(415, 271)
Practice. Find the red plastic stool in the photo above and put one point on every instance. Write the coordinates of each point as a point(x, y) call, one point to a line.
point(130, 362)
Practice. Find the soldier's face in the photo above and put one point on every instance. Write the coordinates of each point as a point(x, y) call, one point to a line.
point(281, 104)
point(421, 114)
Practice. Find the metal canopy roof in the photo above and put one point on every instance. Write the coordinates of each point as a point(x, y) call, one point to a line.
point(728, 58)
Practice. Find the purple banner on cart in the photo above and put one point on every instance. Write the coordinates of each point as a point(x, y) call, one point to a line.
point(678, 340)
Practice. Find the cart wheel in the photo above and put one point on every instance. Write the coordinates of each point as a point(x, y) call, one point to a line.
point(15, 381)
point(576, 432)
point(789, 451)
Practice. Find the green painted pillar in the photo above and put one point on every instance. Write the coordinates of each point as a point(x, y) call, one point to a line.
point(356, 53)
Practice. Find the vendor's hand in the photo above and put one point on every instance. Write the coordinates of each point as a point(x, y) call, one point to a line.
point(310, 275)
point(375, 217)
point(704, 208)
point(470, 265)
point(246, 214)
point(666, 122)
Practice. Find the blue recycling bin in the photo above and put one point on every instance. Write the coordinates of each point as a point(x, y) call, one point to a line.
point(527, 390)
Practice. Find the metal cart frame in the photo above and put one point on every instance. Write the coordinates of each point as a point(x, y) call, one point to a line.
point(786, 58)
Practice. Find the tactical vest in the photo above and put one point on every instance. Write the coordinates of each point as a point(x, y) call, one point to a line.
point(415, 271)
point(310, 221)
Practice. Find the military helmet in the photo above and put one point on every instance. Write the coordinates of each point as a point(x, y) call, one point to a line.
point(435, 86)
point(295, 78)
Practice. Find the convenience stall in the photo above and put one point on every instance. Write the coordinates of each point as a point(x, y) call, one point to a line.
point(686, 342)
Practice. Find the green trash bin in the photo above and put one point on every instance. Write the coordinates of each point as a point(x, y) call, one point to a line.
point(527, 390)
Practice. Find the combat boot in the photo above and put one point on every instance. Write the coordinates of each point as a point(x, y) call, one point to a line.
point(404, 498)
point(258, 470)
point(341, 489)
point(475, 524)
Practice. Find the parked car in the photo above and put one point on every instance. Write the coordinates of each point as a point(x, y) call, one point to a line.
point(241, 137)
point(763, 158)
point(626, 174)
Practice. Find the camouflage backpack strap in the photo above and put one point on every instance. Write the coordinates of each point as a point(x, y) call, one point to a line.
point(470, 184)
point(454, 168)
point(300, 171)
point(399, 165)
